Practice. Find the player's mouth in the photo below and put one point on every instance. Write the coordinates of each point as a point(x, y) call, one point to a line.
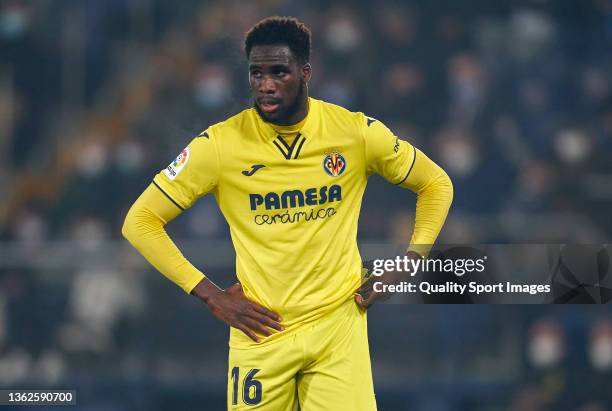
point(269, 106)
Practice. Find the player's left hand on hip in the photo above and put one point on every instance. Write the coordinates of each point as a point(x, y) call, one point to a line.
point(366, 296)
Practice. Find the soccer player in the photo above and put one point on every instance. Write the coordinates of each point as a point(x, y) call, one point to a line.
point(288, 175)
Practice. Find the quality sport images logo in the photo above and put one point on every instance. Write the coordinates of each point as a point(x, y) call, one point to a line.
point(334, 164)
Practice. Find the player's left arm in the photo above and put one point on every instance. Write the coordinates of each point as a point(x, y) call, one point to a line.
point(434, 191)
point(402, 164)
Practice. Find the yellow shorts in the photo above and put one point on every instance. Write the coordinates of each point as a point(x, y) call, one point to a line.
point(323, 366)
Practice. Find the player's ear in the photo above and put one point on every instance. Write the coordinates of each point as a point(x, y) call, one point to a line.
point(306, 72)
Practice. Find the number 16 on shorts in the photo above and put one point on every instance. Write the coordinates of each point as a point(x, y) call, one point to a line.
point(249, 388)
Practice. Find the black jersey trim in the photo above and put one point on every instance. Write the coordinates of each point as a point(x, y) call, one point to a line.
point(287, 146)
point(287, 156)
point(290, 149)
point(297, 153)
point(169, 198)
point(409, 170)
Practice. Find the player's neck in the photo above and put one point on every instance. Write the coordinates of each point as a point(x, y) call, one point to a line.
point(298, 115)
point(289, 131)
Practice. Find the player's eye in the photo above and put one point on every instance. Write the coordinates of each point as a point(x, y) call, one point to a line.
point(256, 74)
point(280, 73)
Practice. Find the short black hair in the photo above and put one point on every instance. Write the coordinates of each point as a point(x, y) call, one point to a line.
point(280, 30)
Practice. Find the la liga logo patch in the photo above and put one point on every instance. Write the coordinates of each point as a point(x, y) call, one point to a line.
point(334, 164)
point(177, 165)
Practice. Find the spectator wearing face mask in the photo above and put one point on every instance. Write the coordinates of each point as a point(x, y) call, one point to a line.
point(597, 375)
point(546, 372)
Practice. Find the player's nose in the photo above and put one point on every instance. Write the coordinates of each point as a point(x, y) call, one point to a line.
point(267, 86)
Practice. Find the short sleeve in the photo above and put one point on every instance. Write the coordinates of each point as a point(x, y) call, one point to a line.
point(386, 154)
point(193, 173)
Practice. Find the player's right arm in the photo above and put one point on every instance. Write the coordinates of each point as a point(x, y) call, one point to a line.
point(174, 189)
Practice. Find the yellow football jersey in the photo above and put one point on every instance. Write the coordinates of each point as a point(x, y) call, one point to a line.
point(291, 197)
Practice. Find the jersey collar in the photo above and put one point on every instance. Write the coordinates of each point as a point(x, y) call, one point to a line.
point(271, 131)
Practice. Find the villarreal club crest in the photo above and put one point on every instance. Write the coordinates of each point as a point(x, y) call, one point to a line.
point(334, 164)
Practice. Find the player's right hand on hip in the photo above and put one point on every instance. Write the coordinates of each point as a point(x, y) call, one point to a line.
point(232, 307)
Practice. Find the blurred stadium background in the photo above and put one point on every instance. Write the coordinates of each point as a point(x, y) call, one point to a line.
point(513, 99)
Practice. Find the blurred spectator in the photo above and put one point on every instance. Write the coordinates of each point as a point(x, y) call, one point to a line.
point(546, 347)
point(600, 347)
point(599, 354)
point(91, 326)
point(468, 90)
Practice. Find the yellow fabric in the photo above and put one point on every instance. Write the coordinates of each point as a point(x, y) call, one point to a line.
point(289, 130)
point(144, 229)
point(434, 197)
point(293, 207)
point(327, 363)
